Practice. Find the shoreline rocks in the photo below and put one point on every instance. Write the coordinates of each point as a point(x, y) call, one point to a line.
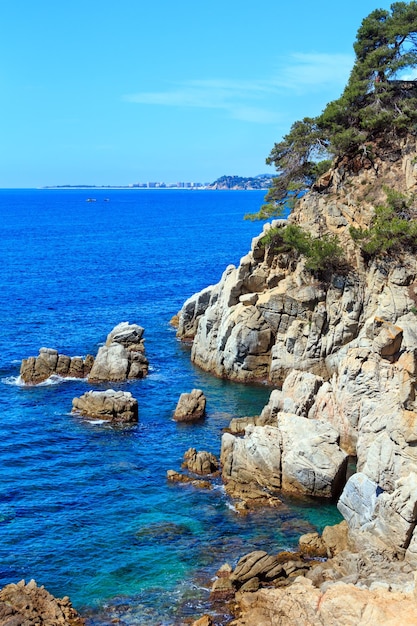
point(115, 406)
point(31, 605)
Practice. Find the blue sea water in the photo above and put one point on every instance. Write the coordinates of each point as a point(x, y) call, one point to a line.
point(85, 509)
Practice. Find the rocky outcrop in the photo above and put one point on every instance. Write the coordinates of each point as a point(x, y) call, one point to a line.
point(297, 455)
point(32, 605)
point(122, 357)
point(191, 407)
point(342, 604)
point(114, 406)
point(201, 462)
point(340, 343)
point(49, 362)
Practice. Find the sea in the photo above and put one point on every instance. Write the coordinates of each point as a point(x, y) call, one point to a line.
point(85, 508)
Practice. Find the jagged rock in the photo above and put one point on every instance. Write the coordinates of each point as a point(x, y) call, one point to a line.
point(115, 406)
point(49, 362)
point(387, 337)
point(177, 477)
point(191, 407)
point(205, 620)
point(312, 544)
point(31, 605)
point(200, 462)
point(298, 455)
point(122, 357)
point(340, 605)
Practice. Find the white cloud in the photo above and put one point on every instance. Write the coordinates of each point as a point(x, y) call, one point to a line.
point(315, 70)
point(250, 100)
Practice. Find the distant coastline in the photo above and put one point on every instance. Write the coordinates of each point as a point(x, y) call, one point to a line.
point(261, 182)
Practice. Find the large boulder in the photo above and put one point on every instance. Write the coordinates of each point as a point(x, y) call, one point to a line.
point(49, 362)
point(298, 455)
point(122, 357)
point(115, 406)
point(191, 407)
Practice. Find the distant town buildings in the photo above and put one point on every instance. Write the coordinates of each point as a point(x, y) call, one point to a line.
point(162, 185)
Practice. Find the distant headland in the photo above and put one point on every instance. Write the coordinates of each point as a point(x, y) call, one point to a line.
point(262, 181)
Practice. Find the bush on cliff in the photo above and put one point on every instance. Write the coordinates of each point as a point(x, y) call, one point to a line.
point(393, 227)
point(321, 253)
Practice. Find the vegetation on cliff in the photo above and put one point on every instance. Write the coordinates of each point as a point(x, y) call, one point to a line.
point(377, 106)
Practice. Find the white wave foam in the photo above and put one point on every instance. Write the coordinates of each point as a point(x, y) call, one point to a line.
point(52, 380)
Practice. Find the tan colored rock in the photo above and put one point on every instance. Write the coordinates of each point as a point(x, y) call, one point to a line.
point(191, 407)
point(311, 544)
point(336, 538)
point(206, 620)
point(202, 462)
point(340, 605)
point(49, 362)
point(115, 406)
point(31, 605)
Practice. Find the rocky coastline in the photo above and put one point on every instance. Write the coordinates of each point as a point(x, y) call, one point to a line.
point(339, 346)
point(339, 349)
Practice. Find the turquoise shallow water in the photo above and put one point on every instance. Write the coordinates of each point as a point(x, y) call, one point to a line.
point(85, 509)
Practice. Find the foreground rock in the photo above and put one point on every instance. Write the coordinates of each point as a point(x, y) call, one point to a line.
point(340, 605)
point(191, 407)
point(31, 605)
point(122, 357)
point(49, 362)
point(115, 406)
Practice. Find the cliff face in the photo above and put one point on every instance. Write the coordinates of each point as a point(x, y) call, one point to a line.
point(344, 346)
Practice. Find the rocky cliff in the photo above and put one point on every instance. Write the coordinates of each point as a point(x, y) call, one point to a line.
point(340, 343)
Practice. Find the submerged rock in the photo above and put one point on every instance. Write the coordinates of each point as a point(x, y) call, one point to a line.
point(115, 406)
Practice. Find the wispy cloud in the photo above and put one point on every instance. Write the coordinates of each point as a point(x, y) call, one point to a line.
point(249, 100)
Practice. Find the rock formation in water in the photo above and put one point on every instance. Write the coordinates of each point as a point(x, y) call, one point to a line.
point(115, 406)
point(37, 369)
point(31, 605)
point(122, 357)
point(191, 407)
point(342, 343)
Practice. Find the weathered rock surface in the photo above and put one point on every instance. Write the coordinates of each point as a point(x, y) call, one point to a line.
point(340, 605)
point(297, 455)
point(49, 362)
point(191, 407)
point(178, 477)
point(343, 345)
point(115, 406)
point(122, 357)
point(201, 462)
point(30, 605)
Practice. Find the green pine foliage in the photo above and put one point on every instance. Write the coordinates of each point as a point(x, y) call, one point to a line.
point(321, 253)
point(375, 105)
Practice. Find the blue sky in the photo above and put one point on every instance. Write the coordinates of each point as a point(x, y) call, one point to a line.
point(100, 92)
